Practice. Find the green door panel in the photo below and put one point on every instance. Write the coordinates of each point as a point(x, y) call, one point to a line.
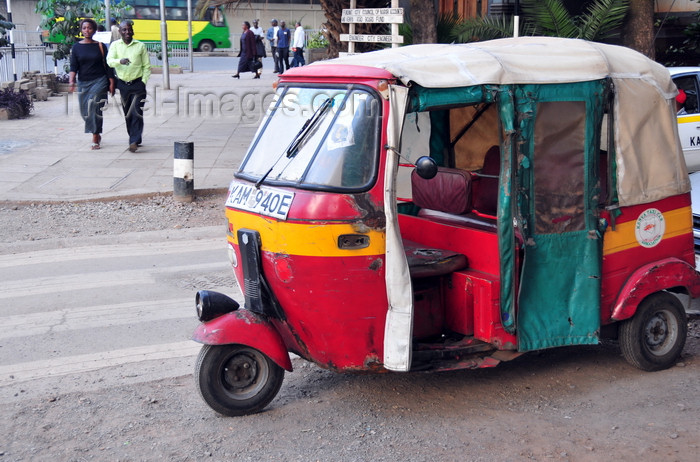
point(560, 292)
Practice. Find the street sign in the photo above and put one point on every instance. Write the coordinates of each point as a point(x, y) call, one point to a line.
point(373, 15)
point(359, 11)
point(352, 16)
point(369, 38)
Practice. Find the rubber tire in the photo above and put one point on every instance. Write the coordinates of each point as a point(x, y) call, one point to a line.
point(660, 313)
point(213, 374)
point(206, 46)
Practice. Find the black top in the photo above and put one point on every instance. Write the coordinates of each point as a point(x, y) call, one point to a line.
point(87, 61)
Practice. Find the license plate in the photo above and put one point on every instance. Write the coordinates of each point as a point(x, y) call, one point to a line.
point(271, 202)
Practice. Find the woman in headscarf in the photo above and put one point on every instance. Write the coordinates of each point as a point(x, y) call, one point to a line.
point(247, 53)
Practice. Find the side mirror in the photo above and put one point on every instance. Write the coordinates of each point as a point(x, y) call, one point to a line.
point(426, 167)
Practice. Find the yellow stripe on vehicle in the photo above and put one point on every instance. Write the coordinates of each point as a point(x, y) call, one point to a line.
point(678, 222)
point(688, 119)
point(306, 239)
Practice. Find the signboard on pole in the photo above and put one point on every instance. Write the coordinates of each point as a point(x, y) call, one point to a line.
point(352, 16)
point(369, 38)
point(373, 15)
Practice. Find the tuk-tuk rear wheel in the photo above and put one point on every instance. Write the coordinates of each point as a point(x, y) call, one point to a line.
point(654, 337)
point(236, 380)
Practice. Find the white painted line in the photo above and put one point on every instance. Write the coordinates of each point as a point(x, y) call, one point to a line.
point(25, 325)
point(73, 282)
point(44, 257)
point(44, 369)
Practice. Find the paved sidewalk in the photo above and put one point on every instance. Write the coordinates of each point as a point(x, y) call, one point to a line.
point(47, 157)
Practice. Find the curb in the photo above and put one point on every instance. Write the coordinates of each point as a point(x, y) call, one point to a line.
point(127, 197)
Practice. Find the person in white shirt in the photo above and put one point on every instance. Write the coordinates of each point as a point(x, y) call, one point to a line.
point(257, 30)
point(298, 46)
point(114, 30)
point(259, 42)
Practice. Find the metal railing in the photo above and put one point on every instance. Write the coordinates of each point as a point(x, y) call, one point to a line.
point(178, 54)
point(26, 37)
point(27, 58)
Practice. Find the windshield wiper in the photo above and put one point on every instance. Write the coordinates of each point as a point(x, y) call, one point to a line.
point(293, 148)
point(300, 137)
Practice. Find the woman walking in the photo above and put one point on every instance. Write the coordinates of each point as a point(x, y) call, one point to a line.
point(94, 77)
point(247, 53)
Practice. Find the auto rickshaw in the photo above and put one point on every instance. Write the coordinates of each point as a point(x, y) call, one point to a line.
point(440, 207)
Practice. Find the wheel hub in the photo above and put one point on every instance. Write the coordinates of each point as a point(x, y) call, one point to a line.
point(656, 331)
point(240, 372)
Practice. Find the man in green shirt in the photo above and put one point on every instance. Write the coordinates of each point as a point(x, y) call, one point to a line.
point(129, 58)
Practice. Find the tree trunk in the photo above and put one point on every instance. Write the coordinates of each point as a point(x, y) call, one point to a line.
point(424, 21)
point(333, 9)
point(638, 31)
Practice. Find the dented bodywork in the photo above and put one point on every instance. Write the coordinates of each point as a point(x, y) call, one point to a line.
point(246, 328)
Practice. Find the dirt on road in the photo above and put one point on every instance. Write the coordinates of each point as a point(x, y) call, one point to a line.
point(578, 403)
point(36, 222)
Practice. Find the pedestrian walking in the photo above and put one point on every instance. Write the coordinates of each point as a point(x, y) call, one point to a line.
point(130, 60)
point(298, 46)
point(284, 39)
point(94, 77)
point(259, 44)
point(247, 61)
point(114, 30)
point(257, 30)
point(272, 38)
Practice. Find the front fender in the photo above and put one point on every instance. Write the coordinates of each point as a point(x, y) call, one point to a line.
point(246, 328)
point(663, 274)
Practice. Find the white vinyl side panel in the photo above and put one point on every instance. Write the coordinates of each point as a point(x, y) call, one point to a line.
point(649, 157)
point(398, 330)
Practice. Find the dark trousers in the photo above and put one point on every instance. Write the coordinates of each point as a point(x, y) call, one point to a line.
point(133, 99)
point(298, 59)
point(284, 58)
point(276, 58)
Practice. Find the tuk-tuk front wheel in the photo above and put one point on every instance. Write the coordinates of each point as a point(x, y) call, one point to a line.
point(235, 379)
point(654, 337)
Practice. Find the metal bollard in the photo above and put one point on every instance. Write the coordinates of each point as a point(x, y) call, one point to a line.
point(183, 171)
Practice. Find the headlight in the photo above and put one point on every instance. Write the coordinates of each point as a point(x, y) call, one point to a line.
point(212, 304)
point(199, 307)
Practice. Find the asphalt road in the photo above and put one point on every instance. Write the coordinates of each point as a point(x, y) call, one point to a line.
point(95, 364)
point(109, 307)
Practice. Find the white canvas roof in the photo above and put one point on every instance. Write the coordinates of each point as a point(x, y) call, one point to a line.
point(646, 136)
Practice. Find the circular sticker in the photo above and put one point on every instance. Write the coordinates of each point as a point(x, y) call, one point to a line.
point(650, 228)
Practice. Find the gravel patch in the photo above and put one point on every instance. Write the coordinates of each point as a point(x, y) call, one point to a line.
point(37, 221)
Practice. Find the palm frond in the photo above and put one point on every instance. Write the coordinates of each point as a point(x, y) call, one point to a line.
point(550, 17)
point(201, 6)
point(446, 26)
point(602, 17)
point(486, 28)
point(230, 5)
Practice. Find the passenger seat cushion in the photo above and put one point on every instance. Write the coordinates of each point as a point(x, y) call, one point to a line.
point(429, 262)
point(449, 191)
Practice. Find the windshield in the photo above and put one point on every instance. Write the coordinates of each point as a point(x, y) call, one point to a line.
point(316, 138)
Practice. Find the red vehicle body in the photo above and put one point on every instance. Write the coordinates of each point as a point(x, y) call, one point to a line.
point(518, 230)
